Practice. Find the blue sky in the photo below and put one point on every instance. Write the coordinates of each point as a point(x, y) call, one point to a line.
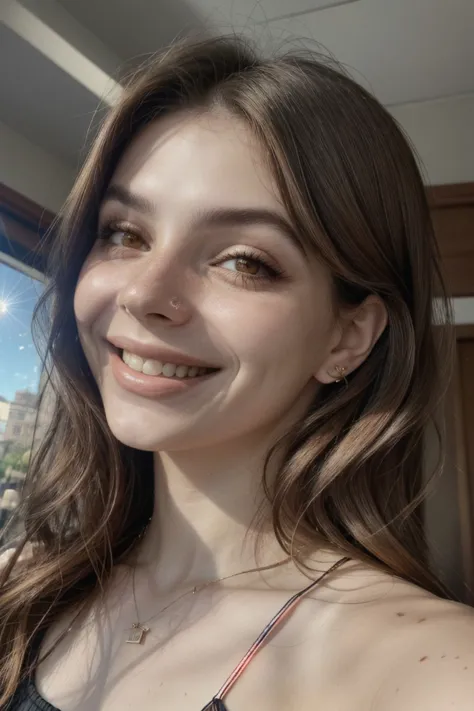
point(19, 362)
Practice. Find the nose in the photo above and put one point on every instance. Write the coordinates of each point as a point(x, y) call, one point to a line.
point(151, 294)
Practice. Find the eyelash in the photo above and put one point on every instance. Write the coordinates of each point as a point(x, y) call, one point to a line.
point(274, 273)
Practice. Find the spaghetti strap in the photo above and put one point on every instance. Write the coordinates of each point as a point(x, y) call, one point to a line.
point(217, 703)
point(27, 697)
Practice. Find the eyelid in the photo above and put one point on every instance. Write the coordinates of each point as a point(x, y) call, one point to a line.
point(108, 226)
point(274, 271)
point(251, 253)
point(119, 225)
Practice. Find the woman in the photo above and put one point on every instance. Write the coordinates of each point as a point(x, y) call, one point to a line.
point(244, 361)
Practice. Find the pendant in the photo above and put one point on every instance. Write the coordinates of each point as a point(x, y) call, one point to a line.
point(137, 634)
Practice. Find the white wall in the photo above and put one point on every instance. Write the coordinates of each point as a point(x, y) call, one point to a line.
point(442, 132)
point(464, 310)
point(32, 171)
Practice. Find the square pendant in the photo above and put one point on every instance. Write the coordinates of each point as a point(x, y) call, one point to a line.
point(137, 634)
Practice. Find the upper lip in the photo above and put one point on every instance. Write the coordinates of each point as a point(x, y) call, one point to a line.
point(161, 353)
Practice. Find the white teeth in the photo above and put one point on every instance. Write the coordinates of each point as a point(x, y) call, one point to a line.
point(148, 366)
point(135, 362)
point(152, 367)
point(169, 370)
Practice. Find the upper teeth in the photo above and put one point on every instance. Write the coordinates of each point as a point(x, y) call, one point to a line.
point(156, 367)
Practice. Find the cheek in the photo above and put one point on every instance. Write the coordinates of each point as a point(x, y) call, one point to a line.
point(277, 334)
point(94, 293)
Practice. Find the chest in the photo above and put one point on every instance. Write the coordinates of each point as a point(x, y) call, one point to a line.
point(188, 655)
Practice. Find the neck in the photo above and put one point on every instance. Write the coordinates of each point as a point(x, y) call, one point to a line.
point(209, 508)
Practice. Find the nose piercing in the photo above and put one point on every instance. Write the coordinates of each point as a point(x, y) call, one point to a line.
point(174, 303)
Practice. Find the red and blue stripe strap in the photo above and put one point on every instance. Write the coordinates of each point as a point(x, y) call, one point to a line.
point(217, 704)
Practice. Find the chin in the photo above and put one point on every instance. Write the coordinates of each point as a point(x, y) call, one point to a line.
point(135, 439)
point(141, 428)
point(134, 429)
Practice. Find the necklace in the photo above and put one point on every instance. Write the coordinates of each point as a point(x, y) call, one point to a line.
point(139, 630)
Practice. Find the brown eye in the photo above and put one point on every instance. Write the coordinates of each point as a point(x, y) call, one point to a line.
point(245, 265)
point(248, 266)
point(122, 238)
point(132, 241)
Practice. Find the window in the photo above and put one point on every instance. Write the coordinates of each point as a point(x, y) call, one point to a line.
point(22, 225)
point(20, 366)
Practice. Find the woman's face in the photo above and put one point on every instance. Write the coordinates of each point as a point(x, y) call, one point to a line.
point(194, 264)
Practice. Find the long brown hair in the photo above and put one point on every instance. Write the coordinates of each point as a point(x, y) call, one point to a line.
point(352, 468)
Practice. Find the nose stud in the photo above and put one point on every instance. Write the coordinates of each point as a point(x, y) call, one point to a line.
point(174, 303)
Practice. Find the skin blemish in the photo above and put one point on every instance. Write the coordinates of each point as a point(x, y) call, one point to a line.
point(400, 614)
point(443, 656)
point(423, 659)
point(422, 619)
point(465, 668)
point(456, 657)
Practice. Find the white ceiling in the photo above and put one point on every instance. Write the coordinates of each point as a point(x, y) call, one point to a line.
point(403, 50)
point(37, 101)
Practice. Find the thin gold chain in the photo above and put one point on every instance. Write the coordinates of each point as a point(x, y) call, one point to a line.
point(199, 588)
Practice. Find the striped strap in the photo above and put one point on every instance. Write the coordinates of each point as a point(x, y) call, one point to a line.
point(216, 703)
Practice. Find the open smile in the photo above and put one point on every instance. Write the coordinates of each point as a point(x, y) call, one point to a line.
point(153, 378)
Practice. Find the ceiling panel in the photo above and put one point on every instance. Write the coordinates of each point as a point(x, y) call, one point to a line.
point(42, 102)
point(263, 10)
point(404, 50)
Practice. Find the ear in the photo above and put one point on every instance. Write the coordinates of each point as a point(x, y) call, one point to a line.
point(357, 331)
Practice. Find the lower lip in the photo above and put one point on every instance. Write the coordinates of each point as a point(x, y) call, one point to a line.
point(151, 385)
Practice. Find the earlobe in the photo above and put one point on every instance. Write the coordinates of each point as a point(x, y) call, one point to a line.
point(361, 328)
point(338, 373)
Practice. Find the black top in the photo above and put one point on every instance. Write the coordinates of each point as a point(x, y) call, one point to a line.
point(27, 697)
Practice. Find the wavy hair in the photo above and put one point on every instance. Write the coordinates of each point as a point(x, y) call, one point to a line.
point(351, 470)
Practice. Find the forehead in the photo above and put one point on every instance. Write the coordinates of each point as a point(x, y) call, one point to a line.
point(199, 160)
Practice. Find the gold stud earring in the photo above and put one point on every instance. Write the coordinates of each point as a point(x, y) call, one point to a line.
point(340, 372)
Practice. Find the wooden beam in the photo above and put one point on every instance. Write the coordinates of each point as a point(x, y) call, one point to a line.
point(450, 195)
point(23, 221)
point(452, 212)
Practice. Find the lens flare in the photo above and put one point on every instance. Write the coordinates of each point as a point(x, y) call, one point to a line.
point(3, 308)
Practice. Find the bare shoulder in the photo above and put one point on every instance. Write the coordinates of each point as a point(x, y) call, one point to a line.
point(431, 664)
point(398, 646)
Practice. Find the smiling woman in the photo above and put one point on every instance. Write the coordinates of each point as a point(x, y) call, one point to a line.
point(243, 353)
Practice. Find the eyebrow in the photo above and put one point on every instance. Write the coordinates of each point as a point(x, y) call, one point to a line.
point(120, 194)
point(213, 217)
